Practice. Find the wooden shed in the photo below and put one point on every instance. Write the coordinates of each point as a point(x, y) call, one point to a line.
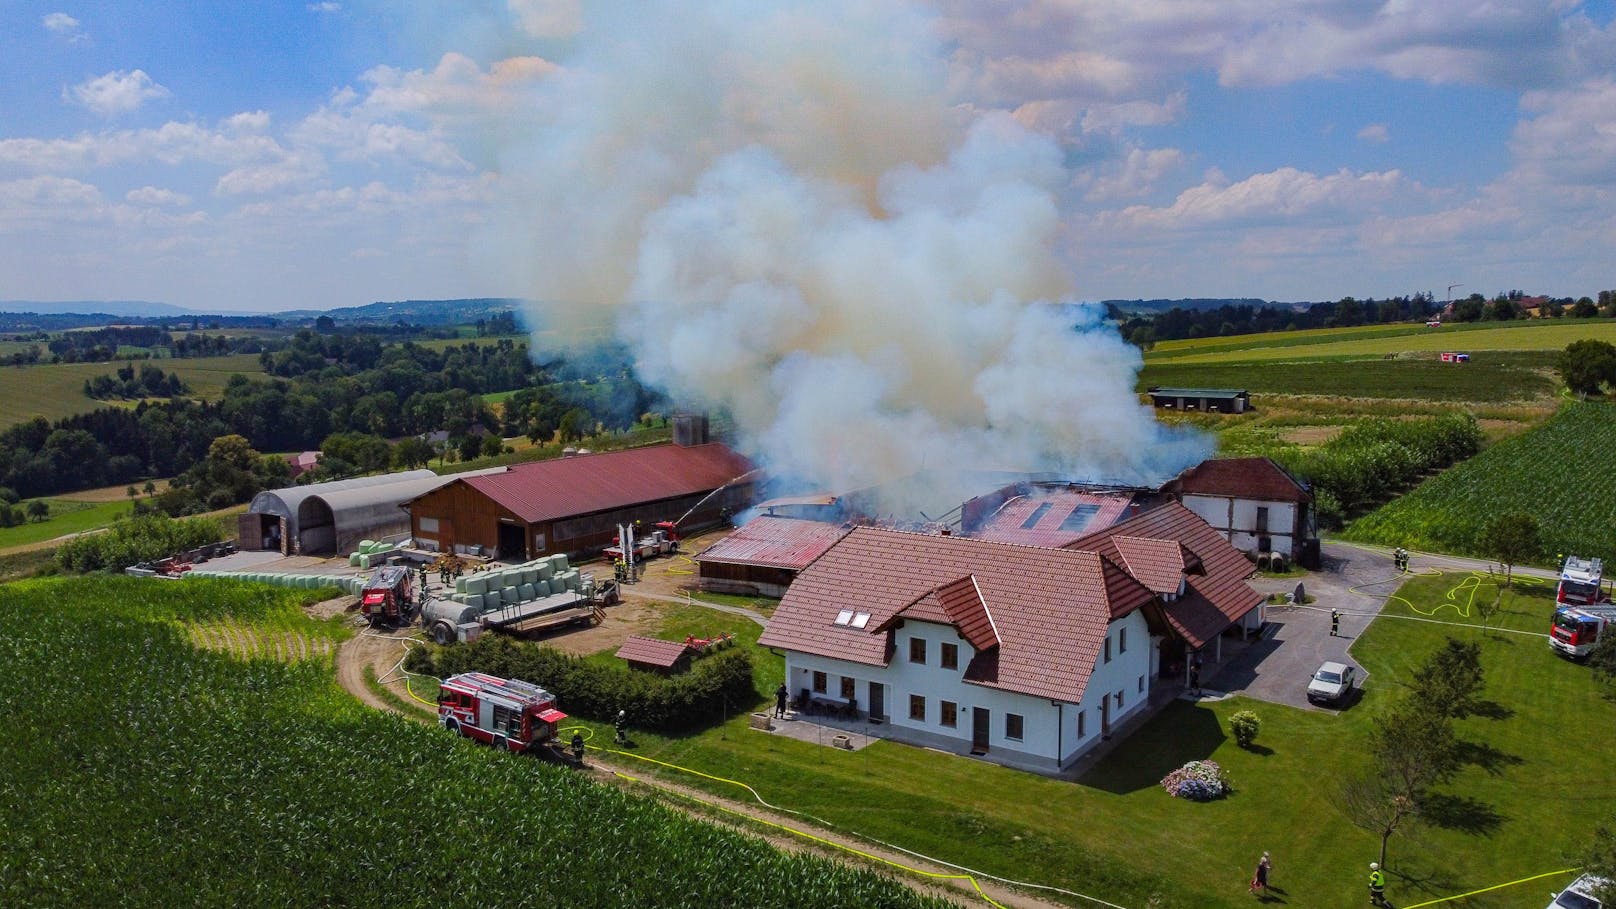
point(655, 655)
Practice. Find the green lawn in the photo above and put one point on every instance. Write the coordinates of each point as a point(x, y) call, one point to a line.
point(1534, 334)
point(56, 390)
point(65, 517)
point(1117, 835)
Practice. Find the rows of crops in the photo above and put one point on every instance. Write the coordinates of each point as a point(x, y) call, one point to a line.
point(1560, 472)
point(142, 771)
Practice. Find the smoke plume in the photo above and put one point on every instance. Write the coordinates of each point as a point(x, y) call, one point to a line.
point(787, 216)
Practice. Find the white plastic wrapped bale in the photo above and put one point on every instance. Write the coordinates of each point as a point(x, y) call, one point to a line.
point(527, 592)
point(544, 572)
point(510, 596)
point(558, 562)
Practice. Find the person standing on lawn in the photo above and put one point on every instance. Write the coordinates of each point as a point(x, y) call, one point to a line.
point(1259, 881)
point(1377, 885)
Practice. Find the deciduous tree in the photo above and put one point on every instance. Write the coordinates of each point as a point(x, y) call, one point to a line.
point(1512, 538)
point(1587, 364)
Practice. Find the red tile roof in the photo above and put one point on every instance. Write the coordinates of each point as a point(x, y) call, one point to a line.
point(1241, 478)
point(1048, 608)
point(1158, 564)
point(652, 652)
point(547, 490)
point(775, 543)
point(1213, 598)
point(1006, 524)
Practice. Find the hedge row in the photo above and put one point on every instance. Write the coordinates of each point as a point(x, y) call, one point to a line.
point(1374, 460)
point(714, 685)
point(143, 539)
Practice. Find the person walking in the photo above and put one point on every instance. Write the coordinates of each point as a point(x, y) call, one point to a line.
point(1195, 679)
point(1259, 881)
point(619, 727)
point(780, 696)
point(1377, 885)
point(578, 746)
point(1335, 624)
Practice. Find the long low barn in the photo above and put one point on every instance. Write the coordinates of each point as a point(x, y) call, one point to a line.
point(574, 505)
point(763, 558)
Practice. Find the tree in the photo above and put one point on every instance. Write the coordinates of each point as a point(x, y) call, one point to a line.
point(1450, 679)
point(1245, 725)
point(1585, 365)
point(1374, 803)
point(412, 452)
point(1512, 538)
point(1600, 860)
point(574, 423)
point(1487, 608)
point(492, 445)
point(470, 447)
point(38, 510)
point(1469, 309)
point(1584, 308)
point(1414, 746)
point(325, 324)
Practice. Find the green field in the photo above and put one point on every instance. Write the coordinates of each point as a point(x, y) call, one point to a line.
point(1560, 472)
point(1497, 377)
point(1117, 836)
point(1379, 340)
point(56, 390)
point(66, 517)
point(148, 763)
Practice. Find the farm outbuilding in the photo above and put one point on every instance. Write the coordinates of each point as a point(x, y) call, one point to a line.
point(655, 655)
point(763, 557)
point(574, 505)
point(1255, 504)
point(324, 518)
point(1205, 400)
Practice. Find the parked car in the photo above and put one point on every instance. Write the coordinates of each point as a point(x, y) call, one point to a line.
point(1577, 896)
point(1330, 684)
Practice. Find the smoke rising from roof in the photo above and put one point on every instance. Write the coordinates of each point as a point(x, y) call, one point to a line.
point(788, 219)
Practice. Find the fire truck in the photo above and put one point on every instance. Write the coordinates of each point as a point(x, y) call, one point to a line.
point(510, 714)
point(1585, 609)
point(388, 596)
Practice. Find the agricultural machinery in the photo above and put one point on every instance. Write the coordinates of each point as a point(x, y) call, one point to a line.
point(510, 714)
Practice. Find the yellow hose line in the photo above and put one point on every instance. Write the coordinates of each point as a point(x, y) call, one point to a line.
point(1461, 896)
point(936, 875)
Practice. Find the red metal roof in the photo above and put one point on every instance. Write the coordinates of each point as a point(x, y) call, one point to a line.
point(1241, 478)
point(547, 490)
point(775, 543)
point(1048, 608)
point(652, 652)
point(1215, 596)
point(1050, 527)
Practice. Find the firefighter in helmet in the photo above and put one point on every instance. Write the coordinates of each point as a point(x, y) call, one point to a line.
point(619, 727)
point(578, 745)
point(1377, 885)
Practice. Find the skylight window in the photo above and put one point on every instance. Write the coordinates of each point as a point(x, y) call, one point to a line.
point(1036, 516)
point(861, 619)
point(1079, 518)
point(844, 617)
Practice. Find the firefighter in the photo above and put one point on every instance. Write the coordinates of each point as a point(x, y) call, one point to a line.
point(618, 727)
point(1335, 623)
point(1400, 557)
point(1377, 885)
point(578, 745)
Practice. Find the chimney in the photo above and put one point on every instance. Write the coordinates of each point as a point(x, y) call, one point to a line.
point(689, 429)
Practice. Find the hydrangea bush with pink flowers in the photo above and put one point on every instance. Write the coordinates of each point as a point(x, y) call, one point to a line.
point(1199, 781)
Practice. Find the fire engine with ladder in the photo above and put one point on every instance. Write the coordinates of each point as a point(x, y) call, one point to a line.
point(510, 714)
point(1584, 609)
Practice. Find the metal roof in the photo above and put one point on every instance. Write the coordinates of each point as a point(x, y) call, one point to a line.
point(285, 501)
point(652, 651)
point(546, 490)
point(769, 542)
point(1196, 392)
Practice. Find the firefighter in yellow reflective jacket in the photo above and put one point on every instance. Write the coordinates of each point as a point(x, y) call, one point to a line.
point(1377, 885)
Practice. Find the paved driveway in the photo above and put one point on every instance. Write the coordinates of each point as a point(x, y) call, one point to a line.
point(1297, 638)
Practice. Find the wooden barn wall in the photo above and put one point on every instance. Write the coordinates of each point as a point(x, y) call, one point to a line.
point(465, 517)
point(747, 580)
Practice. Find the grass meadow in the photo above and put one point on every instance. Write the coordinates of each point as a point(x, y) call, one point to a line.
point(66, 516)
point(1379, 340)
point(56, 390)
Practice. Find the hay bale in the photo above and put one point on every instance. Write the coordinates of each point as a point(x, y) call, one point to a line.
point(460, 584)
point(527, 592)
point(509, 595)
point(544, 572)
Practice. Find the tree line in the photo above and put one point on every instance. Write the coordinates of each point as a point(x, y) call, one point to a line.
point(150, 382)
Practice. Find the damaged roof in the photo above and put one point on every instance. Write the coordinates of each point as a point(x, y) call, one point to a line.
point(770, 542)
point(1052, 519)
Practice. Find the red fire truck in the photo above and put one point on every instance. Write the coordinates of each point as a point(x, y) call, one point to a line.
point(388, 596)
point(1585, 611)
point(509, 714)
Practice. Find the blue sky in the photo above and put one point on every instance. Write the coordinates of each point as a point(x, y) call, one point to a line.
point(266, 156)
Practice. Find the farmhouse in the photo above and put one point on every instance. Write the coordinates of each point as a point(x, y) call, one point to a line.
point(1026, 655)
point(763, 557)
point(574, 505)
point(326, 518)
point(1206, 400)
point(1254, 504)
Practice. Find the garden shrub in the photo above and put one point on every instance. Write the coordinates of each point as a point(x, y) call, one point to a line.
point(1198, 781)
point(715, 684)
point(1244, 725)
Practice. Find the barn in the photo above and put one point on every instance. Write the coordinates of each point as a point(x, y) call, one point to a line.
point(763, 558)
point(574, 505)
point(326, 518)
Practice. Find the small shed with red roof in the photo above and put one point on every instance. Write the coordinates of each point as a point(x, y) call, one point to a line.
point(655, 655)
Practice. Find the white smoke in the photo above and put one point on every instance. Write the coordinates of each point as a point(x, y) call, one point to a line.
point(790, 221)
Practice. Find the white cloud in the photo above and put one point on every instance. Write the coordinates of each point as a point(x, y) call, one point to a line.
point(328, 6)
point(117, 92)
point(1135, 175)
point(548, 18)
point(1284, 196)
point(294, 169)
point(248, 122)
point(171, 143)
point(65, 26)
point(1570, 138)
point(152, 195)
point(1374, 132)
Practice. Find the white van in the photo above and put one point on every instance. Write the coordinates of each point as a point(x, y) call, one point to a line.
point(1579, 895)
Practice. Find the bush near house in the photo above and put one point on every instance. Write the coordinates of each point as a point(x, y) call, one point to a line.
point(714, 685)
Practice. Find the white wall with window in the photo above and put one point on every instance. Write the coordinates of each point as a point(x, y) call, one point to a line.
point(1243, 521)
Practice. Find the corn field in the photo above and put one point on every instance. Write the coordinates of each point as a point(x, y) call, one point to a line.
point(1561, 473)
point(142, 770)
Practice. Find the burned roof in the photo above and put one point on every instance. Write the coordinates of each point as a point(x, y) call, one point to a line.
point(546, 490)
point(1241, 478)
point(1051, 519)
point(1213, 598)
point(1048, 610)
point(769, 542)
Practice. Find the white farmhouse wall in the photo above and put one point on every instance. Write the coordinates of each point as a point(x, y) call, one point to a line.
point(1236, 520)
point(1049, 729)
